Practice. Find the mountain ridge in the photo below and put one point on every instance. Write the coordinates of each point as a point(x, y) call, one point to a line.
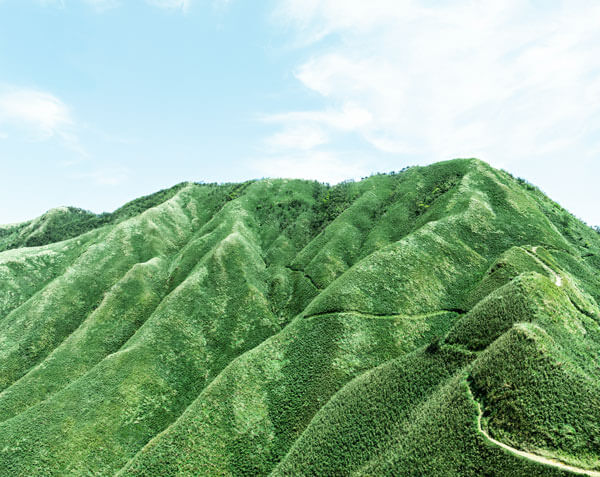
point(215, 331)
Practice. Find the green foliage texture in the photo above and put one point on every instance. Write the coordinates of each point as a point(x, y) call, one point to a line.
point(286, 327)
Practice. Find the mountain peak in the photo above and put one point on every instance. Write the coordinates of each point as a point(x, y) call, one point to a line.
point(437, 321)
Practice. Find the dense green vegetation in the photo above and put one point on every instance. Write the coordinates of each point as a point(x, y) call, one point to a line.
point(67, 222)
point(286, 327)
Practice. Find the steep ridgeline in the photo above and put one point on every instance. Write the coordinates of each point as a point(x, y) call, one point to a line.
point(439, 321)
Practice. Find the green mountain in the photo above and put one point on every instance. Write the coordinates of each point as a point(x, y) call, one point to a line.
point(442, 320)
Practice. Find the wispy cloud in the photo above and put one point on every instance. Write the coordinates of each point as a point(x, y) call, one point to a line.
point(505, 81)
point(299, 138)
point(38, 116)
point(41, 112)
point(316, 165)
point(300, 147)
point(347, 117)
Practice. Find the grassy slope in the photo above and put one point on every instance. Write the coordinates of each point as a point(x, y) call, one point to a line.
point(283, 326)
point(66, 222)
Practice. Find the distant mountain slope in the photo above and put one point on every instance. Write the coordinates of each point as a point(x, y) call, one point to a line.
point(400, 325)
point(67, 222)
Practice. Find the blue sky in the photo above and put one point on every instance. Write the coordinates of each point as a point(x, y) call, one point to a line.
point(102, 101)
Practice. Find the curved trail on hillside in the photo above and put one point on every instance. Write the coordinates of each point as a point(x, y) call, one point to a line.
point(557, 277)
point(528, 455)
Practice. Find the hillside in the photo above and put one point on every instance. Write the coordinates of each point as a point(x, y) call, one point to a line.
point(442, 320)
point(67, 222)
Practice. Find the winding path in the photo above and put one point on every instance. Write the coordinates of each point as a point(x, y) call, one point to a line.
point(557, 277)
point(528, 455)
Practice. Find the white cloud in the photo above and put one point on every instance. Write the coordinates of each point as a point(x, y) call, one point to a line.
point(319, 165)
point(506, 81)
point(296, 151)
point(44, 114)
point(299, 138)
point(348, 117)
point(38, 116)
